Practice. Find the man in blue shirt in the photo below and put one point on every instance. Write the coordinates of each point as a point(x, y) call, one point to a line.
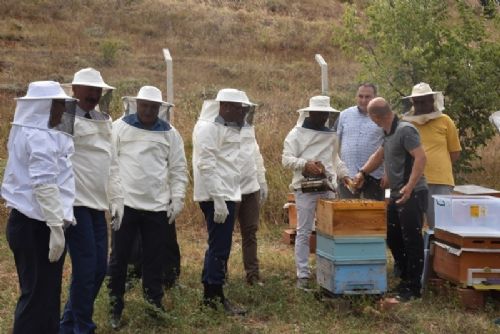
point(359, 138)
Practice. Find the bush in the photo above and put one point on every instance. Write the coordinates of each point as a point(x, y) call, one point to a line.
point(401, 43)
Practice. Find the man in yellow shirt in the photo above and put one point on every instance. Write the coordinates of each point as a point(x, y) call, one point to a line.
point(439, 138)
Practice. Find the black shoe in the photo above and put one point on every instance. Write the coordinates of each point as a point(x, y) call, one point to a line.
point(115, 321)
point(232, 309)
point(407, 295)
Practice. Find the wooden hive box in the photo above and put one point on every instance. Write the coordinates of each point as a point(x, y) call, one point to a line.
point(351, 217)
point(453, 263)
point(460, 241)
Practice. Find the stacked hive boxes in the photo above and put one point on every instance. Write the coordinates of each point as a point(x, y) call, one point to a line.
point(467, 240)
point(351, 252)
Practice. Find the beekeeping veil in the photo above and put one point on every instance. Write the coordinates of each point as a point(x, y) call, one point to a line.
point(210, 108)
point(422, 89)
point(149, 93)
point(319, 103)
point(91, 77)
point(47, 107)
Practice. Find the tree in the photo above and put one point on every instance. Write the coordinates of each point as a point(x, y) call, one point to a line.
point(444, 43)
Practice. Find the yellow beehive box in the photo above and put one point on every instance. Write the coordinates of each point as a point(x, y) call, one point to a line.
point(351, 217)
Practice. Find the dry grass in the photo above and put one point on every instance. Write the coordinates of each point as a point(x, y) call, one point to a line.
point(265, 47)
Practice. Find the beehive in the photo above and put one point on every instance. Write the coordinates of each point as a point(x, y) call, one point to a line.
point(351, 217)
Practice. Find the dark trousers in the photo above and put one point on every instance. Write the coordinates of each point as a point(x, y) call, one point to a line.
point(219, 244)
point(38, 307)
point(172, 259)
point(152, 228)
point(88, 248)
point(248, 216)
point(404, 237)
point(371, 190)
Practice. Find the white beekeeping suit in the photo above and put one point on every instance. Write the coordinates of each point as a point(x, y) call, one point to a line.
point(97, 178)
point(302, 145)
point(153, 166)
point(253, 172)
point(216, 170)
point(38, 179)
point(305, 144)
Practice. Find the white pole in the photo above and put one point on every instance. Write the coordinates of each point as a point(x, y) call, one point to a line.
point(324, 73)
point(170, 80)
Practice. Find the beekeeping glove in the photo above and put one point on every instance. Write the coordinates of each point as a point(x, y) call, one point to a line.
point(48, 197)
point(220, 210)
point(116, 207)
point(174, 208)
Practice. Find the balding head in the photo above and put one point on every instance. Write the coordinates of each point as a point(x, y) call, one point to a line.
point(379, 107)
point(380, 113)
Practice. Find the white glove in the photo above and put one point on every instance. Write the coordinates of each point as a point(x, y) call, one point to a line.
point(116, 211)
point(48, 197)
point(56, 243)
point(175, 207)
point(264, 191)
point(220, 210)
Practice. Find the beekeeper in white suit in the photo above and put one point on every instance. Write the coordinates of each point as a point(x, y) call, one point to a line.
point(98, 189)
point(253, 194)
point(154, 177)
point(216, 147)
point(311, 151)
point(39, 189)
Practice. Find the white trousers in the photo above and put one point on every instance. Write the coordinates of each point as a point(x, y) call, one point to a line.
point(306, 210)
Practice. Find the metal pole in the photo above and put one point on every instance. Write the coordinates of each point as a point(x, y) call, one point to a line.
point(324, 73)
point(170, 80)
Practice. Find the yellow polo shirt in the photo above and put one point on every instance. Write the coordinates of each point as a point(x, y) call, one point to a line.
point(439, 137)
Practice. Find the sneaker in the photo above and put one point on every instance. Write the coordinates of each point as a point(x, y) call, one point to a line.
point(232, 309)
point(303, 284)
point(115, 321)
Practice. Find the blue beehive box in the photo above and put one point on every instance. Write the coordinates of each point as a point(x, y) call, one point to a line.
point(352, 277)
point(351, 249)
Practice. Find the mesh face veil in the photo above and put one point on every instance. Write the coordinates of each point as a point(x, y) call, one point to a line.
point(62, 116)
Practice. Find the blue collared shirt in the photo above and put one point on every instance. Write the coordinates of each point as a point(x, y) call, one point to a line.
point(359, 138)
point(133, 120)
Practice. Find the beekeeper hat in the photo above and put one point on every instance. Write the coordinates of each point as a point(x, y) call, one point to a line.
point(319, 103)
point(423, 89)
point(233, 95)
point(45, 90)
point(90, 77)
point(149, 93)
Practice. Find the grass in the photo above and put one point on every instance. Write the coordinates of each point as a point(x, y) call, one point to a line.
point(265, 47)
point(276, 307)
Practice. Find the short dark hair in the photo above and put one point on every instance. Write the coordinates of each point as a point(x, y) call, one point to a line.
point(369, 85)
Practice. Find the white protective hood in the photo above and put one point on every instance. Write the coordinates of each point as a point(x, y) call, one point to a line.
point(130, 107)
point(95, 165)
point(37, 156)
point(152, 165)
point(216, 167)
